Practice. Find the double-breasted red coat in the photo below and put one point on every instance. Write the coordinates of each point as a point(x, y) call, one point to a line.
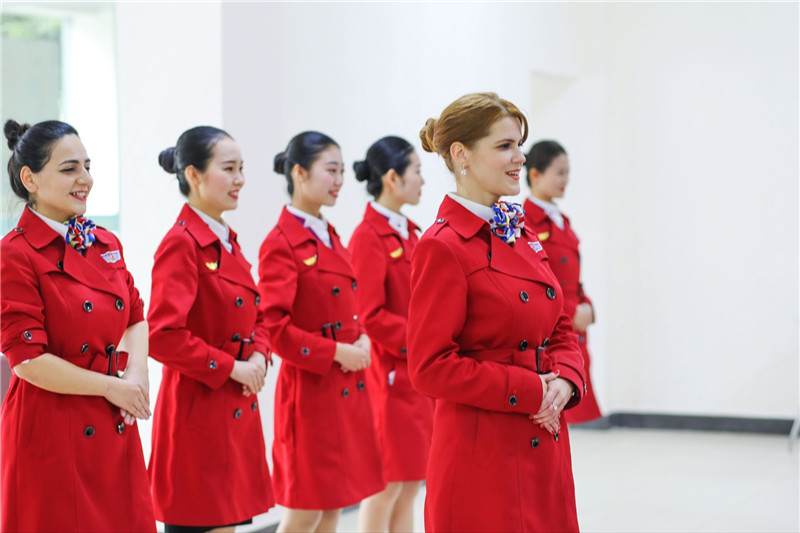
point(403, 417)
point(325, 455)
point(68, 462)
point(565, 262)
point(485, 319)
point(208, 464)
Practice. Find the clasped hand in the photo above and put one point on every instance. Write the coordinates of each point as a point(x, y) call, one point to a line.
point(556, 393)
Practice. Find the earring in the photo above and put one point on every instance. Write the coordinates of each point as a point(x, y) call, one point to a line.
point(464, 171)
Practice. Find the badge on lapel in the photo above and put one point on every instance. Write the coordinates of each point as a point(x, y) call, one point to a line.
point(212, 265)
point(397, 253)
point(544, 235)
point(310, 261)
point(536, 245)
point(111, 257)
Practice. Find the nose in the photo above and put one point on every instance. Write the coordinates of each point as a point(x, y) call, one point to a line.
point(519, 156)
point(85, 177)
point(238, 178)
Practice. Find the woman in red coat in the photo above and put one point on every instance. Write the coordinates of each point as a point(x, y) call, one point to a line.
point(325, 455)
point(208, 467)
point(71, 456)
point(489, 340)
point(548, 174)
point(381, 249)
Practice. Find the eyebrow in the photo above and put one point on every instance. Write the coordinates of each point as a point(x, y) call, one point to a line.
point(73, 162)
point(506, 141)
point(334, 163)
point(230, 161)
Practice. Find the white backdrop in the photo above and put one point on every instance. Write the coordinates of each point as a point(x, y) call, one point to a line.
point(681, 121)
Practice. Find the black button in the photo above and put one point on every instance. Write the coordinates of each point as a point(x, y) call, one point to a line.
point(564, 260)
point(27, 335)
point(236, 337)
point(535, 442)
point(258, 299)
point(338, 325)
point(120, 428)
point(336, 291)
point(87, 306)
point(545, 342)
point(110, 349)
point(85, 348)
point(239, 301)
point(555, 436)
point(88, 431)
point(360, 385)
point(237, 413)
point(181, 222)
point(345, 393)
point(512, 400)
point(403, 350)
point(60, 265)
point(17, 229)
point(254, 406)
point(440, 221)
point(305, 351)
point(119, 304)
point(581, 338)
point(551, 293)
point(524, 296)
point(354, 285)
point(212, 365)
point(523, 345)
point(489, 255)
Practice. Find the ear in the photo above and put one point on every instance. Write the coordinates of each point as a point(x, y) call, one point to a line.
point(192, 176)
point(391, 179)
point(533, 174)
point(460, 155)
point(26, 177)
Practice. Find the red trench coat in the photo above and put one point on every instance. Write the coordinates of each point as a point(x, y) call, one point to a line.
point(68, 462)
point(208, 465)
point(565, 262)
point(479, 310)
point(403, 417)
point(325, 455)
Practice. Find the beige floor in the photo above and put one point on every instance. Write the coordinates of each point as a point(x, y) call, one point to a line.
point(674, 481)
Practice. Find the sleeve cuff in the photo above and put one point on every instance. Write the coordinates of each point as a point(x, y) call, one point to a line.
point(524, 393)
point(219, 366)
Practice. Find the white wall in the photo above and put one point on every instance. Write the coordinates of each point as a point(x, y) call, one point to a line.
point(681, 122)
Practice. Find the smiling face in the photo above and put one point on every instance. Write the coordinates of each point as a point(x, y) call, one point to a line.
point(320, 184)
point(216, 189)
point(60, 189)
point(553, 181)
point(493, 165)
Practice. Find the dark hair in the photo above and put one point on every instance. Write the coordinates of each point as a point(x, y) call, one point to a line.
point(303, 150)
point(31, 146)
point(384, 155)
point(194, 148)
point(541, 156)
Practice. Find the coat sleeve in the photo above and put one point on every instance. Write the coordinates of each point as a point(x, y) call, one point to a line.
point(175, 286)
point(437, 314)
point(277, 284)
point(22, 333)
point(567, 357)
point(371, 266)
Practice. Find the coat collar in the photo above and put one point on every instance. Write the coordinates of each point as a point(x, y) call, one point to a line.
point(548, 231)
point(39, 234)
point(381, 225)
point(232, 266)
point(335, 259)
point(461, 219)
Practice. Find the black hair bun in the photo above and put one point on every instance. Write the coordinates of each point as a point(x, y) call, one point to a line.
point(167, 160)
point(361, 168)
point(14, 131)
point(279, 163)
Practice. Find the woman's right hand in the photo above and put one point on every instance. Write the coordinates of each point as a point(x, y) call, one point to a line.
point(130, 396)
point(551, 426)
point(250, 375)
point(351, 357)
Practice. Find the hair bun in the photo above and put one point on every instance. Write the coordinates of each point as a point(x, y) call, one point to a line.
point(362, 170)
point(14, 131)
point(279, 163)
point(167, 160)
point(426, 135)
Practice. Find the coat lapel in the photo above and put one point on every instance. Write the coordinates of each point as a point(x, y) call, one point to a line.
point(330, 260)
point(381, 226)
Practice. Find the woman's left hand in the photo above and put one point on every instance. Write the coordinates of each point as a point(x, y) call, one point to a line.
point(559, 391)
point(140, 377)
